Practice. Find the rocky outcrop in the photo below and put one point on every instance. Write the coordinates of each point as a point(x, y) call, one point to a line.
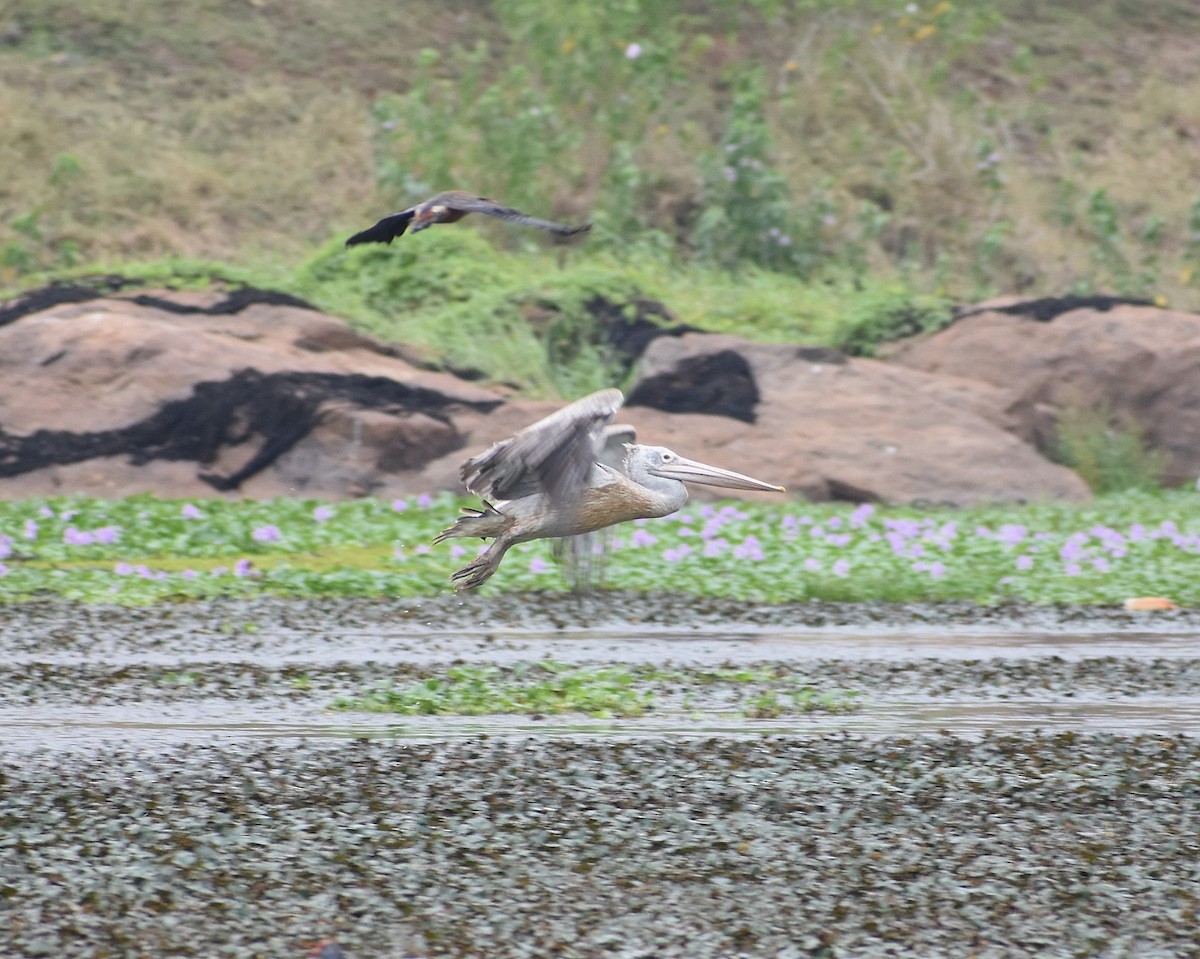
point(116, 396)
point(257, 394)
point(856, 429)
point(1140, 361)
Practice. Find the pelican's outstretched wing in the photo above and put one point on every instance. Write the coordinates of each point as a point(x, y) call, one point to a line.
point(481, 204)
point(554, 456)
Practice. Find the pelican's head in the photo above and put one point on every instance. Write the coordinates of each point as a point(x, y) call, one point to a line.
point(661, 462)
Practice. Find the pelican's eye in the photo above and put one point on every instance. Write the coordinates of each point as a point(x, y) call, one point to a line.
point(668, 457)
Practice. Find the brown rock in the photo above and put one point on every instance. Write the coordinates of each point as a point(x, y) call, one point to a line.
point(857, 429)
point(1143, 362)
point(137, 393)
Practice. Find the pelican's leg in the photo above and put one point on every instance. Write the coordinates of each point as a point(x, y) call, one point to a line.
point(480, 570)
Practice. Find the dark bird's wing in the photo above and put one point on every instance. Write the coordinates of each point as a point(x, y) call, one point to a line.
point(385, 230)
point(480, 204)
point(554, 456)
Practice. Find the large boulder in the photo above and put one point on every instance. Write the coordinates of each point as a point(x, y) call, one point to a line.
point(257, 394)
point(180, 394)
point(1141, 361)
point(833, 427)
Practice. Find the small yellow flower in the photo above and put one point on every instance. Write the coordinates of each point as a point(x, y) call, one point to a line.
point(876, 29)
point(791, 66)
point(568, 45)
point(1186, 274)
point(925, 32)
point(943, 7)
point(662, 129)
point(1160, 300)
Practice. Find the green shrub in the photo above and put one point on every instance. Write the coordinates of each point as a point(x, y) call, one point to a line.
point(1108, 451)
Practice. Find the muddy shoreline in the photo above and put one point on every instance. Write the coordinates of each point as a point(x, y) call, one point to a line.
point(151, 809)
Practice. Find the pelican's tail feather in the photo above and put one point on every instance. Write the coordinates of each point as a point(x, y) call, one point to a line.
point(483, 523)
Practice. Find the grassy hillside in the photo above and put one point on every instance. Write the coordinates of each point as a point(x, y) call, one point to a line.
point(767, 166)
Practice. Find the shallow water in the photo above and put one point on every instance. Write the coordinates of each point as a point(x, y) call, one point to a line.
point(78, 719)
point(176, 772)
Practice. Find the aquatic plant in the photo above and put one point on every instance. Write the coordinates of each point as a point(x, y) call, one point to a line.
point(143, 549)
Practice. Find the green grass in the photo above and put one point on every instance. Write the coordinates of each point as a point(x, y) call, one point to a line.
point(550, 688)
point(143, 550)
point(960, 148)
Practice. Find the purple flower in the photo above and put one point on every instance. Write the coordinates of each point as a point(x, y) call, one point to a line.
point(399, 505)
point(46, 512)
point(266, 534)
point(903, 527)
point(715, 547)
point(1101, 564)
point(188, 574)
point(107, 534)
point(861, 514)
point(3, 569)
point(1024, 561)
point(424, 501)
point(936, 570)
point(839, 539)
point(1072, 569)
point(1012, 533)
point(75, 537)
point(123, 569)
point(676, 554)
point(31, 529)
point(749, 548)
point(456, 551)
point(812, 565)
point(191, 511)
point(1073, 547)
point(840, 568)
point(641, 537)
point(243, 567)
point(711, 528)
point(833, 522)
point(5, 546)
point(538, 565)
point(633, 51)
point(322, 514)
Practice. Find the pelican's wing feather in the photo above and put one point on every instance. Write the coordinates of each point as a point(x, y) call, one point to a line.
point(481, 204)
point(554, 456)
point(612, 452)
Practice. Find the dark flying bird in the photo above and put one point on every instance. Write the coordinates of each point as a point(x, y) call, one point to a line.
point(450, 207)
point(573, 473)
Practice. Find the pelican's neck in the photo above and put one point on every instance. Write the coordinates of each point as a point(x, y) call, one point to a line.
point(667, 495)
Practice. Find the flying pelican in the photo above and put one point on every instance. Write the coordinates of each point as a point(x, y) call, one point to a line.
point(450, 207)
point(573, 473)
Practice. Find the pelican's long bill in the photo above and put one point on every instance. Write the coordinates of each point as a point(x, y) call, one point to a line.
point(689, 471)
